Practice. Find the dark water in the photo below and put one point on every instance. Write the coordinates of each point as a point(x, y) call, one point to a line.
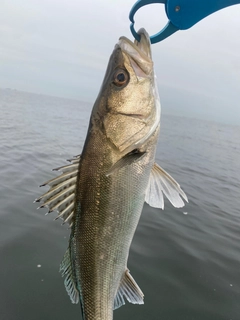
point(186, 261)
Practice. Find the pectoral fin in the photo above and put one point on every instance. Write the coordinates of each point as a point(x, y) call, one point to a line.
point(127, 160)
point(160, 182)
point(128, 289)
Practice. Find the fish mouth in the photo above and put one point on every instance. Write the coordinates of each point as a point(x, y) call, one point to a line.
point(139, 52)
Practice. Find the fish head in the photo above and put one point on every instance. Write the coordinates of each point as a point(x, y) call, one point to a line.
point(128, 108)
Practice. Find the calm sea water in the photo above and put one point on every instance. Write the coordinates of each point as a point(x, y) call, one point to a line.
point(186, 261)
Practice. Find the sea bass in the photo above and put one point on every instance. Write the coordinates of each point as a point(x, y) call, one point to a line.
point(102, 192)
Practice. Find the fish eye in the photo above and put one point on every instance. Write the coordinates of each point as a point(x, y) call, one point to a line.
point(120, 78)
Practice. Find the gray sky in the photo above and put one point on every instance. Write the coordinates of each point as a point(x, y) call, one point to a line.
point(61, 48)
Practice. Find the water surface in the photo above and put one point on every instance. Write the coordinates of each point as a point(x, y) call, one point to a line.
point(186, 261)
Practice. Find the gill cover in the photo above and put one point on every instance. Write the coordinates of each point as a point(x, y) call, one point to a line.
point(133, 110)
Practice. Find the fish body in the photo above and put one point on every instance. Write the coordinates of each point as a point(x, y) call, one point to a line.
point(101, 194)
point(108, 218)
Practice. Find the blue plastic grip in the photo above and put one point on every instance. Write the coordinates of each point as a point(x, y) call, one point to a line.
point(185, 13)
point(164, 33)
point(182, 14)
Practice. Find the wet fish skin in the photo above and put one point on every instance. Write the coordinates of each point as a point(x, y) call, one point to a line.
point(113, 177)
point(104, 229)
point(111, 204)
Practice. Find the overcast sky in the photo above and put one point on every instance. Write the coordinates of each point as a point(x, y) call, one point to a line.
point(61, 48)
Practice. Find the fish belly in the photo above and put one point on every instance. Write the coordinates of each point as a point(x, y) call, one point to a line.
point(110, 208)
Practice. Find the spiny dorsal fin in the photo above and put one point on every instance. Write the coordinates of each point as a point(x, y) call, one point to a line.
point(61, 195)
point(160, 182)
point(66, 270)
point(128, 289)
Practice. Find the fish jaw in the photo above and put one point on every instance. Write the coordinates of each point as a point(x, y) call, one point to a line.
point(139, 52)
point(129, 115)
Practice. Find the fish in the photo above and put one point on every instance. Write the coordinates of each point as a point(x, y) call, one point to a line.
point(101, 193)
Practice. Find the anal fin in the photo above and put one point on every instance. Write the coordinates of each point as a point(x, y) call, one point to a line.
point(129, 290)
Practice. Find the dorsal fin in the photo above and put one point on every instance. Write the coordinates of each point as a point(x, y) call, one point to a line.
point(128, 289)
point(66, 270)
point(61, 195)
point(160, 182)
